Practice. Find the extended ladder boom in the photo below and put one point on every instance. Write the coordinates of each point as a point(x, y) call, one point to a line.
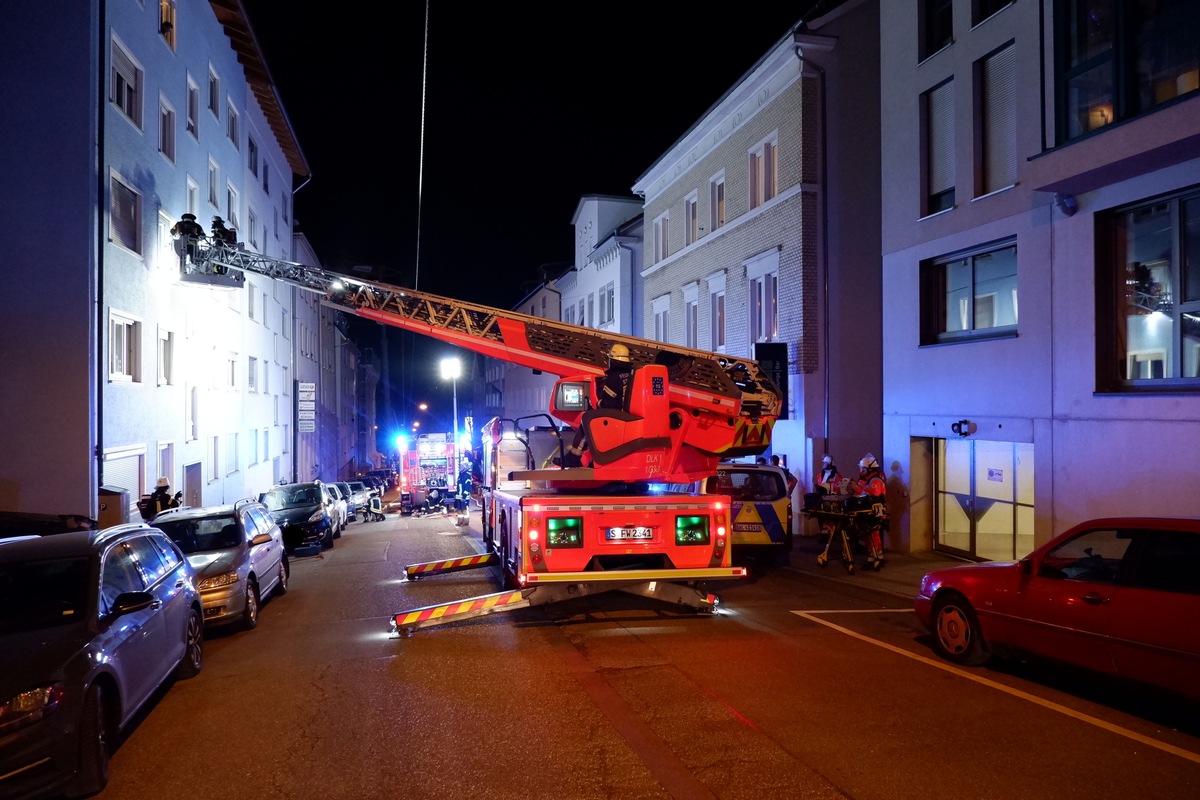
point(705, 382)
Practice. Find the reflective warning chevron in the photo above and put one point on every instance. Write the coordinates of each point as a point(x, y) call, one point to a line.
point(414, 571)
point(406, 622)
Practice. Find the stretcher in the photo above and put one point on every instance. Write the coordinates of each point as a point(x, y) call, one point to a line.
point(845, 520)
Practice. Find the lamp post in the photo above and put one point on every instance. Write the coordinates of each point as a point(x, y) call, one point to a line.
point(452, 369)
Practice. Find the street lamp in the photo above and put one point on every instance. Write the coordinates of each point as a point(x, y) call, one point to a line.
point(452, 369)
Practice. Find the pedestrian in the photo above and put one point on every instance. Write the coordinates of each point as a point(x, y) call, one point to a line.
point(872, 493)
point(159, 500)
point(792, 480)
point(828, 482)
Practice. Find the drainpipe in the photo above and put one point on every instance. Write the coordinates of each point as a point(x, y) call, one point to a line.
point(823, 248)
point(98, 268)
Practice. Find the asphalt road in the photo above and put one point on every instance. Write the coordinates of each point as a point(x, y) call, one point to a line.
point(801, 687)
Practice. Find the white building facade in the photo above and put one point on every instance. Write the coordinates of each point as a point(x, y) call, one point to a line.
point(138, 113)
point(1041, 281)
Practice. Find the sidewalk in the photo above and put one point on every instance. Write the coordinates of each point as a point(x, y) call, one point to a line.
point(900, 575)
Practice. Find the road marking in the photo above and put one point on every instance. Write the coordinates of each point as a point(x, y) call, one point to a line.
point(1052, 706)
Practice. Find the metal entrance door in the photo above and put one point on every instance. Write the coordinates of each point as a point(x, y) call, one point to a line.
point(984, 499)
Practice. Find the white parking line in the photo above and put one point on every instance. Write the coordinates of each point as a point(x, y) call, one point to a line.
point(1099, 723)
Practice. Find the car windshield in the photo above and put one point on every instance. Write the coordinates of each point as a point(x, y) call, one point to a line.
point(201, 535)
point(284, 497)
point(358, 486)
point(42, 594)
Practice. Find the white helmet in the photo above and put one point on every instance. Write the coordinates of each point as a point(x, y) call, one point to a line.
point(827, 460)
point(163, 483)
point(619, 352)
point(868, 462)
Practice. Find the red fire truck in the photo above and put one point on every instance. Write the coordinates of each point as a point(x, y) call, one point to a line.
point(557, 533)
point(427, 462)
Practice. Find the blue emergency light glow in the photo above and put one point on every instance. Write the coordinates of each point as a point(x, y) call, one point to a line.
point(564, 532)
point(691, 530)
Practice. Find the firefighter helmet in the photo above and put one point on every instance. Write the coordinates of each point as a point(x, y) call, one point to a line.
point(868, 462)
point(619, 352)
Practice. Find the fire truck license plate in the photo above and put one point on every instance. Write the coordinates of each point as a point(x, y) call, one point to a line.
point(629, 533)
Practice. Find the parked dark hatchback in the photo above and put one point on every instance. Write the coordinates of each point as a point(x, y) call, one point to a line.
point(305, 513)
point(1116, 596)
point(91, 624)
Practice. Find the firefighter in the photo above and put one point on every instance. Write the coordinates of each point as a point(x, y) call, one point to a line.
point(872, 489)
point(159, 500)
point(612, 390)
point(188, 231)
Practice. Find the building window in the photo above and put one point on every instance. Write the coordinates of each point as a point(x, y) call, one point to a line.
point(266, 178)
point(252, 374)
point(166, 21)
point(591, 300)
point(231, 125)
point(764, 173)
point(970, 295)
point(252, 155)
point(231, 207)
point(608, 302)
point(214, 183)
point(582, 317)
point(231, 371)
point(124, 348)
point(691, 219)
point(166, 258)
point(193, 108)
point(283, 201)
point(662, 317)
point(997, 119)
point(252, 218)
point(127, 80)
point(691, 315)
point(251, 300)
point(231, 453)
point(166, 130)
point(982, 9)
point(716, 311)
point(716, 202)
point(936, 26)
point(214, 93)
point(1148, 315)
point(939, 148)
point(662, 227)
point(213, 463)
point(193, 196)
point(166, 357)
point(125, 216)
point(192, 424)
point(1121, 58)
point(763, 277)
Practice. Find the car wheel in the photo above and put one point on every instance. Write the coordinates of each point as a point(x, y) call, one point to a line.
point(281, 586)
point(327, 542)
point(337, 533)
point(250, 614)
point(92, 775)
point(956, 631)
point(193, 647)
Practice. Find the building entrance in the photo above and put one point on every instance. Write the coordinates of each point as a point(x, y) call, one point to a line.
point(984, 499)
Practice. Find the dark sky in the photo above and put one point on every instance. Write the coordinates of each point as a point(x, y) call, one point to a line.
point(455, 165)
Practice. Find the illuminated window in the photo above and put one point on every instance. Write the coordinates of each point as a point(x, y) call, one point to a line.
point(166, 357)
point(1148, 329)
point(214, 183)
point(166, 21)
point(764, 173)
point(1122, 58)
point(607, 303)
point(662, 227)
point(124, 348)
point(762, 274)
point(232, 129)
point(716, 311)
point(691, 315)
point(970, 295)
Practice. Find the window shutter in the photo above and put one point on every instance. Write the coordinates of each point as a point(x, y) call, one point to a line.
point(124, 216)
point(941, 138)
point(124, 67)
point(1000, 120)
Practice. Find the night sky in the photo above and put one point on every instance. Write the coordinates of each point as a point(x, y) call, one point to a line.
point(455, 166)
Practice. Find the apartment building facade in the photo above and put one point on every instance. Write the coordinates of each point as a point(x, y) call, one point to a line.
point(1041, 201)
point(762, 235)
point(134, 114)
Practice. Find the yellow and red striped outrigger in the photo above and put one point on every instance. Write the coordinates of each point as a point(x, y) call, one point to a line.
point(406, 622)
point(414, 571)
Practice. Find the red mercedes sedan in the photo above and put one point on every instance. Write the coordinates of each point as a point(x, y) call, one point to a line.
point(1117, 596)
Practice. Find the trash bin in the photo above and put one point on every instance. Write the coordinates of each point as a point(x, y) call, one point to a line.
point(114, 506)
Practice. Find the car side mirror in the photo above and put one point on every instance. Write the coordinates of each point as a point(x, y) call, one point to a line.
point(261, 538)
point(129, 602)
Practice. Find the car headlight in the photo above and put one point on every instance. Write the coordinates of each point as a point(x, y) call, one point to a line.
point(216, 581)
point(317, 516)
point(30, 706)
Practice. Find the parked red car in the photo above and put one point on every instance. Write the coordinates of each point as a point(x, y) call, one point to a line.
point(1117, 596)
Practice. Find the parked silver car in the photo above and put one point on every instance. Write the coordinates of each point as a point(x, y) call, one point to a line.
point(340, 511)
point(352, 504)
point(238, 555)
